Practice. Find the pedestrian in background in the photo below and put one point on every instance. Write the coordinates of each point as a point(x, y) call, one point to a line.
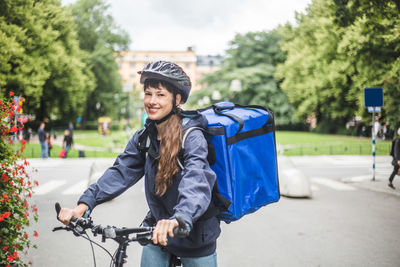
point(49, 143)
point(67, 142)
point(396, 158)
point(42, 139)
point(71, 130)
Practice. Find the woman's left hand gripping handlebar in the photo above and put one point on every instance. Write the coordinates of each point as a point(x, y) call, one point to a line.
point(163, 229)
point(65, 214)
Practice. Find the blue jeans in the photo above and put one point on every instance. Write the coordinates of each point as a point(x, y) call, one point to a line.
point(44, 153)
point(153, 256)
point(67, 148)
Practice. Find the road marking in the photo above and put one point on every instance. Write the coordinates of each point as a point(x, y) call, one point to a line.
point(333, 184)
point(76, 189)
point(48, 187)
point(314, 188)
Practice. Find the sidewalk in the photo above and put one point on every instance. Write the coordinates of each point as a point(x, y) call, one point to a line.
point(379, 185)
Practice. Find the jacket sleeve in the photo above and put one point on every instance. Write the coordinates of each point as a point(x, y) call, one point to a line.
point(197, 181)
point(127, 169)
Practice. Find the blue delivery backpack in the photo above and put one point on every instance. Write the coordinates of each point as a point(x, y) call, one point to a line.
point(242, 139)
point(242, 153)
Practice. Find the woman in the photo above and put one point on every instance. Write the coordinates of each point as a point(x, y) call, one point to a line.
point(67, 142)
point(170, 191)
point(49, 143)
point(396, 159)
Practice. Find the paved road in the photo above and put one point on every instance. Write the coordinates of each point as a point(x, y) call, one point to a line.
point(349, 221)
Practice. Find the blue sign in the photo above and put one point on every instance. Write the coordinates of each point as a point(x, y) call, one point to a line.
point(373, 97)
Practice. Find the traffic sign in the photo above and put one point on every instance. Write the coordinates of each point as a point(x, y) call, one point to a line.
point(373, 97)
point(374, 109)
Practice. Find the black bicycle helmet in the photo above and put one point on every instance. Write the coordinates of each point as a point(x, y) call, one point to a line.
point(168, 72)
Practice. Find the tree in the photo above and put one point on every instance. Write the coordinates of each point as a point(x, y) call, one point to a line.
point(331, 59)
point(40, 58)
point(251, 59)
point(101, 38)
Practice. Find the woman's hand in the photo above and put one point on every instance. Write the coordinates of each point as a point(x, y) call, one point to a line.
point(66, 214)
point(164, 228)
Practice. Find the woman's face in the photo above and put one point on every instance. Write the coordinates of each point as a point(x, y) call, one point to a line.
point(158, 102)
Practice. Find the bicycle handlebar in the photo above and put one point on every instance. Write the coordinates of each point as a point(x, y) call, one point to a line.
point(144, 234)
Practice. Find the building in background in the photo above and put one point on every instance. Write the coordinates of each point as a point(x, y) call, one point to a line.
point(130, 62)
point(206, 64)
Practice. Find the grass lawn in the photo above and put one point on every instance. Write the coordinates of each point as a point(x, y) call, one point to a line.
point(93, 139)
point(33, 151)
point(304, 143)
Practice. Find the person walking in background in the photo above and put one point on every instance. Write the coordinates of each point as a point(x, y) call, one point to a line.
point(67, 142)
point(42, 139)
point(396, 158)
point(71, 130)
point(49, 144)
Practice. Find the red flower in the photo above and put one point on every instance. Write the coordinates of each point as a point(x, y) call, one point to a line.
point(11, 93)
point(35, 234)
point(5, 248)
point(5, 177)
point(36, 182)
point(26, 235)
point(14, 129)
point(23, 141)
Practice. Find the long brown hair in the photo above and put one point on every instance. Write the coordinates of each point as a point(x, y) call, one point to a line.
point(170, 136)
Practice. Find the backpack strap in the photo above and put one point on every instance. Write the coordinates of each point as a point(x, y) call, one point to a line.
point(218, 204)
point(185, 135)
point(143, 144)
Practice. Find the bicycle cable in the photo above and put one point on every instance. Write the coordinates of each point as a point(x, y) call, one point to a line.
point(91, 245)
point(91, 241)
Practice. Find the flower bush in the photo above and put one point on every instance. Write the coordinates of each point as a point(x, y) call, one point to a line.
point(15, 191)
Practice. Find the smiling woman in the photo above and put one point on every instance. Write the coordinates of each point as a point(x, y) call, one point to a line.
point(171, 192)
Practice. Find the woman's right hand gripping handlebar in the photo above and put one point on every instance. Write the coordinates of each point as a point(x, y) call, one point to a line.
point(65, 214)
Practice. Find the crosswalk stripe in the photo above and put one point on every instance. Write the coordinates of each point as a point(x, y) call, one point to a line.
point(76, 189)
point(333, 184)
point(48, 187)
point(314, 188)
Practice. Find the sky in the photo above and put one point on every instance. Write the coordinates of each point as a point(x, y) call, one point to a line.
point(205, 25)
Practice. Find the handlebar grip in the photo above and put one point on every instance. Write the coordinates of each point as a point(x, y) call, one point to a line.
point(182, 230)
point(58, 209)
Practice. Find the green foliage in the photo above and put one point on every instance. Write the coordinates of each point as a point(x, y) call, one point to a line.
point(337, 49)
point(16, 190)
point(101, 38)
point(41, 60)
point(251, 59)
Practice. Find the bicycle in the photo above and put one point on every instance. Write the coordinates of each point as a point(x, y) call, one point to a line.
point(143, 235)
